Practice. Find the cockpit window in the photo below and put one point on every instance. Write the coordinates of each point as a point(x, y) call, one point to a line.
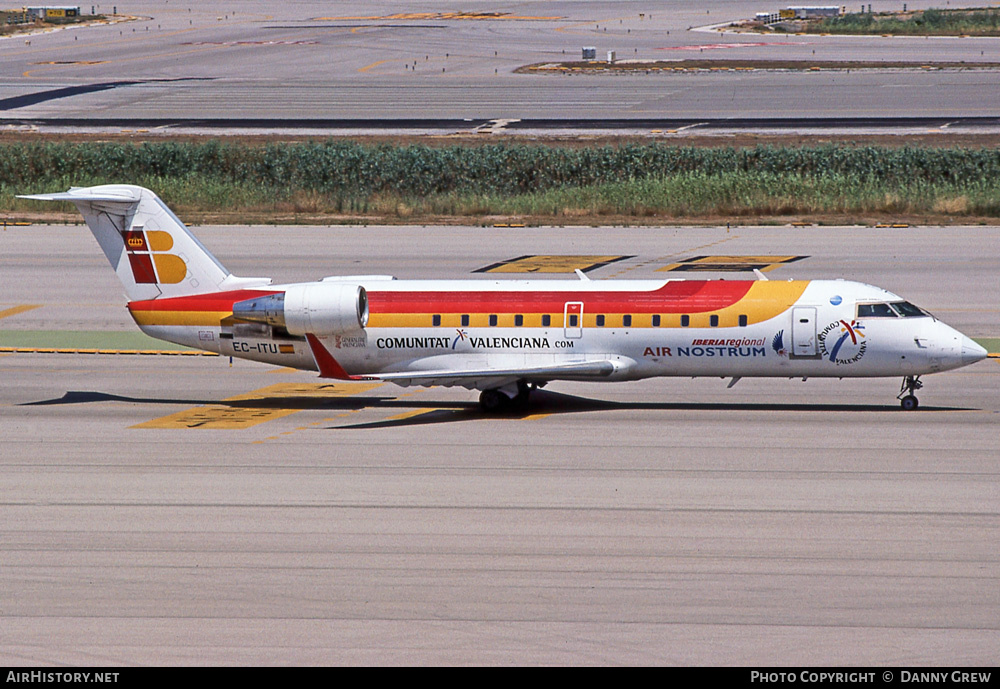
point(908, 310)
point(875, 311)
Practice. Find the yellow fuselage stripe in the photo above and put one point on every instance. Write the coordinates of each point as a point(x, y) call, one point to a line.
point(210, 318)
point(763, 301)
point(758, 305)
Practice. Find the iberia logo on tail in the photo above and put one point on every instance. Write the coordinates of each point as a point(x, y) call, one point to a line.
point(148, 255)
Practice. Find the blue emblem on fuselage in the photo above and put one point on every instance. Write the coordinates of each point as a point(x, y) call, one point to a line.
point(835, 300)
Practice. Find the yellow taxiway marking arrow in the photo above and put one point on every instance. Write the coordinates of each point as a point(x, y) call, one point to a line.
point(730, 263)
point(256, 407)
point(550, 264)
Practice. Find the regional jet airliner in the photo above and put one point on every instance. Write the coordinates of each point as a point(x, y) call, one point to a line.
point(506, 338)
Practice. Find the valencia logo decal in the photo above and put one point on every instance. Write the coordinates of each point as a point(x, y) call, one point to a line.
point(847, 346)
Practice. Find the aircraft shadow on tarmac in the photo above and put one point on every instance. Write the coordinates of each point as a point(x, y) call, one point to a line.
point(543, 402)
point(550, 403)
point(297, 402)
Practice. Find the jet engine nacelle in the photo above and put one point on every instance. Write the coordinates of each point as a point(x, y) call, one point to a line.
point(319, 308)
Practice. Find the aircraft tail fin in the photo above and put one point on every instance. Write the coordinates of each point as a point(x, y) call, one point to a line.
point(151, 250)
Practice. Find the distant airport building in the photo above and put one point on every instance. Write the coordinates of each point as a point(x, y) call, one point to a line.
point(800, 12)
point(815, 11)
point(53, 11)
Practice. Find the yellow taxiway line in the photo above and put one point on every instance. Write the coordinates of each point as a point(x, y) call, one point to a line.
point(13, 311)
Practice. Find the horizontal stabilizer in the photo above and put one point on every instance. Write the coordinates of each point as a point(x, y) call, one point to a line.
point(121, 195)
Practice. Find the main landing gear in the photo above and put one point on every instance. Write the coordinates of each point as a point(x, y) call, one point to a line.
point(505, 399)
point(907, 400)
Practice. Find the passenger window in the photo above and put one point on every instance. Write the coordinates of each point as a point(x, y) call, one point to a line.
point(493, 319)
point(743, 321)
point(436, 320)
point(656, 320)
point(627, 321)
point(546, 320)
point(518, 320)
point(685, 321)
point(600, 321)
point(465, 320)
point(573, 320)
point(713, 321)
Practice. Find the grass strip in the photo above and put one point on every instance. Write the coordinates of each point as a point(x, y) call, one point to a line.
point(84, 339)
point(992, 344)
point(982, 21)
point(649, 181)
point(731, 64)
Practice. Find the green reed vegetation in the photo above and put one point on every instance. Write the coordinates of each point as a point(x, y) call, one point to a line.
point(650, 181)
point(932, 22)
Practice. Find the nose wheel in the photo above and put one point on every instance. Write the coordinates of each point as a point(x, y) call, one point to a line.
point(907, 400)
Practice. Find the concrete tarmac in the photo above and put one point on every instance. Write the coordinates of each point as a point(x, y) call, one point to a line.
point(378, 60)
point(172, 510)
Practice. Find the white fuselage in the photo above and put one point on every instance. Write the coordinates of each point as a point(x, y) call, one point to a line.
point(645, 328)
point(507, 336)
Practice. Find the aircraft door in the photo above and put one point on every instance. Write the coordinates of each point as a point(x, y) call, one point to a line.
point(804, 343)
point(573, 319)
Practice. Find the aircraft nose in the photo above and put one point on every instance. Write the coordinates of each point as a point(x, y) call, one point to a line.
point(971, 351)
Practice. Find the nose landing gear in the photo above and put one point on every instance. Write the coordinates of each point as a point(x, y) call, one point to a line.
point(907, 400)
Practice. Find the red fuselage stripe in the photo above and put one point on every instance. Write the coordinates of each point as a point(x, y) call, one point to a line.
point(218, 301)
point(674, 297)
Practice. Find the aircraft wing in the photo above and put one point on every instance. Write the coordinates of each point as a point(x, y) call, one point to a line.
point(487, 378)
point(483, 378)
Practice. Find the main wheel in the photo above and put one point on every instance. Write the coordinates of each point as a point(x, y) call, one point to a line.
point(521, 399)
point(492, 400)
point(909, 403)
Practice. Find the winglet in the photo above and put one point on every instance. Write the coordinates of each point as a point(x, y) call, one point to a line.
point(580, 274)
point(760, 275)
point(328, 366)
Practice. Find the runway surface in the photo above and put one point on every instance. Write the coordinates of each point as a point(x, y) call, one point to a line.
point(168, 510)
point(309, 60)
